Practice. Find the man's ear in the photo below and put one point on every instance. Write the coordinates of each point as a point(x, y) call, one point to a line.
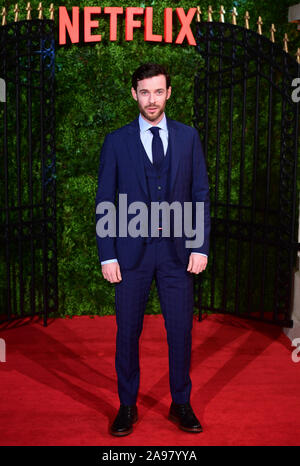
point(133, 93)
point(169, 92)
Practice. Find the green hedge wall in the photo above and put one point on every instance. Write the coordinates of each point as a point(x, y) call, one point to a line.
point(93, 98)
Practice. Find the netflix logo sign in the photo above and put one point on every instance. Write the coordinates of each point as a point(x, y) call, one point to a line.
point(72, 23)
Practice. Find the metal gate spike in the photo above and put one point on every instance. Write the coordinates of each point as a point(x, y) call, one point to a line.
point(247, 17)
point(28, 9)
point(4, 13)
point(259, 24)
point(209, 13)
point(16, 12)
point(40, 10)
point(222, 13)
point(51, 9)
point(272, 33)
point(285, 43)
point(234, 14)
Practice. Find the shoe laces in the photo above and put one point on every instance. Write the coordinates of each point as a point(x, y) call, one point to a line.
point(127, 409)
point(183, 408)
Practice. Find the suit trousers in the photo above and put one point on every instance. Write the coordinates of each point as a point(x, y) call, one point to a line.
point(175, 290)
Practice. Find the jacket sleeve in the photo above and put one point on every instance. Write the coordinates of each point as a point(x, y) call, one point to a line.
point(106, 192)
point(200, 192)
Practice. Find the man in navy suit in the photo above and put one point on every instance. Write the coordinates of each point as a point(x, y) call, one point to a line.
point(152, 160)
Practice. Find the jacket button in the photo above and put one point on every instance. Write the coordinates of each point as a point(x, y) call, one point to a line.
point(158, 187)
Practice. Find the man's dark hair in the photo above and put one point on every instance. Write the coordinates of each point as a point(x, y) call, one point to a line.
point(148, 70)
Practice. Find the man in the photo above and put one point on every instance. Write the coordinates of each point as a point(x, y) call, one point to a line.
point(153, 159)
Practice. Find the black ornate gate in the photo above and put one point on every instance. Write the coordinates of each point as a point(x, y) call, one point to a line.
point(28, 188)
point(248, 123)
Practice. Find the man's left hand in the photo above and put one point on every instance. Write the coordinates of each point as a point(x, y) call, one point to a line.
point(197, 263)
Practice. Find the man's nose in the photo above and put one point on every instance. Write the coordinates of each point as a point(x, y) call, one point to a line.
point(151, 98)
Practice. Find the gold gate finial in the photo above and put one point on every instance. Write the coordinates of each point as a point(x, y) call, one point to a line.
point(40, 10)
point(51, 9)
point(234, 15)
point(4, 13)
point(285, 43)
point(259, 24)
point(28, 9)
point(298, 55)
point(247, 17)
point(209, 13)
point(222, 13)
point(199, 13)
point(16, 12)
point(273, 30)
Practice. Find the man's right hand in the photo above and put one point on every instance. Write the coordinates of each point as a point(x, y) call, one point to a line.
point(112, 272)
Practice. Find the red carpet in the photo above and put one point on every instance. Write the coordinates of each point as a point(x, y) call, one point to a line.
point(58, 384)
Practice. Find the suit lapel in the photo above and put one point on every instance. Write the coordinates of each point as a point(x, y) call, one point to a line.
point(134, 150)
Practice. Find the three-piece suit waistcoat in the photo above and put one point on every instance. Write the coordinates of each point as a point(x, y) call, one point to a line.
point(158, 184)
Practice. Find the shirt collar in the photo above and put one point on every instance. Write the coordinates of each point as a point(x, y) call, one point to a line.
point(144, 125)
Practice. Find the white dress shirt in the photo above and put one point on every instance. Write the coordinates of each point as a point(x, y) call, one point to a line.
point(146, 138)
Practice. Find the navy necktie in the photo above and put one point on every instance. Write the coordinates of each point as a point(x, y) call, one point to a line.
point(157, 146)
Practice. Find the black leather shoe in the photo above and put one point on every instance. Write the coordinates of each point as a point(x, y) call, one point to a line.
point(184, 415)
point(122, 424)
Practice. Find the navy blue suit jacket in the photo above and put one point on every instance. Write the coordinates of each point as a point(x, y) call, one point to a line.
point(121, 170)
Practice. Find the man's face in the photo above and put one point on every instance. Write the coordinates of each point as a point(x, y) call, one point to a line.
point(151, 96)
